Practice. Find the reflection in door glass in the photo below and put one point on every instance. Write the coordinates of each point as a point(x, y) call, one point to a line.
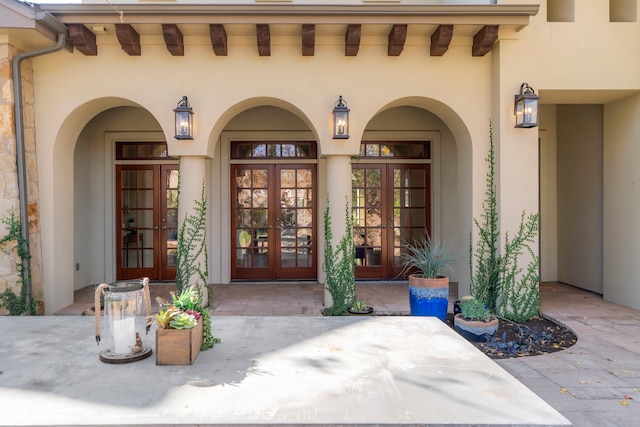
point(296, 218)
point(367, 212)
point(252, 195)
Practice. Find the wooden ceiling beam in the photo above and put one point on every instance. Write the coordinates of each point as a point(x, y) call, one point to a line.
point(484, 40)
point(397, 37)
point(129, 39)
point(263, 35)
point(440, 40)
point(352, 39)
point(218, 39)
point(308, 39)
point(173, 39)
point(83, 39)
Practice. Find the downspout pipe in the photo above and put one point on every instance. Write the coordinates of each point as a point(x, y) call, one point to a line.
point(20, 150)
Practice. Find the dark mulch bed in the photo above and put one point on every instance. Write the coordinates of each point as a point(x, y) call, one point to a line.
point(531, 338)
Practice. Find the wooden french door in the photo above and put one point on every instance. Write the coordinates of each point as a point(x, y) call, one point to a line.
point(391, 206)
point(147, 221)
point(273, 221)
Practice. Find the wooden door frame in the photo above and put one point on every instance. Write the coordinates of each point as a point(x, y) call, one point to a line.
point(159, 271)
point(274, 270)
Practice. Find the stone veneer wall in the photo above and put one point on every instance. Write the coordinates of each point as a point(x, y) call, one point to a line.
point(8, 174)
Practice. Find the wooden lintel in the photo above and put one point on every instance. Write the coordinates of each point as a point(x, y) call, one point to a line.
point(83, 39)
point(264, 39)
point(173, 39)
point(129, 39)
point(308, 39)
point(484, 40)
point(218, 39)
point(397, 37)
point(352, 39)
point(440, 40)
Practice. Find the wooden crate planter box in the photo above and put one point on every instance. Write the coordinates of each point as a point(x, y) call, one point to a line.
point(178, 346)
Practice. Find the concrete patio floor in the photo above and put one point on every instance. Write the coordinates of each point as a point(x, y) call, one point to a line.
point(267, 370)
point(594, 383)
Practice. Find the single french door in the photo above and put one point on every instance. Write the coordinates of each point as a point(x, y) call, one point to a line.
point(273, 221)
point(147, 221)
point(391, 207)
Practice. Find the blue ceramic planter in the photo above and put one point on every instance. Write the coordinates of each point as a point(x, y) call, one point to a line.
point(429, 297)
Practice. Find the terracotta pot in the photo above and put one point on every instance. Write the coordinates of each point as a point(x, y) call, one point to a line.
point(429, 296)
point(476, 330)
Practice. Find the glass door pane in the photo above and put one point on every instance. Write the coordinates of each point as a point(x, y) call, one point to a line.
point(295, 222)
point(410, 189)
point(169, 222)
point(369, 224)
point(137, 204)
point(251, 229)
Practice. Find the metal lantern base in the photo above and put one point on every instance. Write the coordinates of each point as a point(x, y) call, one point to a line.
point(107, 356)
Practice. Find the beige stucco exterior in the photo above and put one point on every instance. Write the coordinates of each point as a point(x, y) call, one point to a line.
point(583, 70)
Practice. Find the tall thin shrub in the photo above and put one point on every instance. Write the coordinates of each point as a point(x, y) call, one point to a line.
point(339, 265)
point(498, 280)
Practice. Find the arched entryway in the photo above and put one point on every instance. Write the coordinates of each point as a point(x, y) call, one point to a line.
point(273, 210)
point(402, 180)
point(125, 199)
point(391, 204)
point(267, 164)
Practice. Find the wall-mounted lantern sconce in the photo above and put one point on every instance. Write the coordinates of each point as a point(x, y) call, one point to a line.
point(526, 107)
point(341, 120)
point(184, 119)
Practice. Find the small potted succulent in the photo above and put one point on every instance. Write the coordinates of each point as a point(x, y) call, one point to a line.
point(180, 328)
point(475, 322)
point(360, 308)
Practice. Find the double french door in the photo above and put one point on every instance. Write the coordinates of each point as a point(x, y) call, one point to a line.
point(391, 206)
point(147, 221)
point(273, 230)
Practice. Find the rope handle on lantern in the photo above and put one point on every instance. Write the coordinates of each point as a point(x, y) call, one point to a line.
point(147, 302)
point(99, 290)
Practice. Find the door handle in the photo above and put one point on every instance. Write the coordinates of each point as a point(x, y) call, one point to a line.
point(164, 227)
point(155, 227)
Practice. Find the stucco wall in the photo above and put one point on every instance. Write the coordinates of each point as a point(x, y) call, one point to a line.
point(464, 92)
point(548, 195)
point(580, 195)
point(621, 250)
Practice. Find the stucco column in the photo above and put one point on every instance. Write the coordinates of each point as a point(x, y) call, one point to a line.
point(516, 149)
point(338, 179)
point(192, 185)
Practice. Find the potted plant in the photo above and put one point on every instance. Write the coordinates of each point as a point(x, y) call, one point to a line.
point(360, 308)
point(428, 259)
point(180, 323)
point(475, 322)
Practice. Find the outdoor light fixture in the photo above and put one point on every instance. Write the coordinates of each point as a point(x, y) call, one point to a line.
point(341, 120)
point(184, 119)
point(526, 107)
point(127, 316)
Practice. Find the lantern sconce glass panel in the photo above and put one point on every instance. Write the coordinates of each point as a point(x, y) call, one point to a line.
point(341, 120)
point(526, 107)
point(184, 119)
